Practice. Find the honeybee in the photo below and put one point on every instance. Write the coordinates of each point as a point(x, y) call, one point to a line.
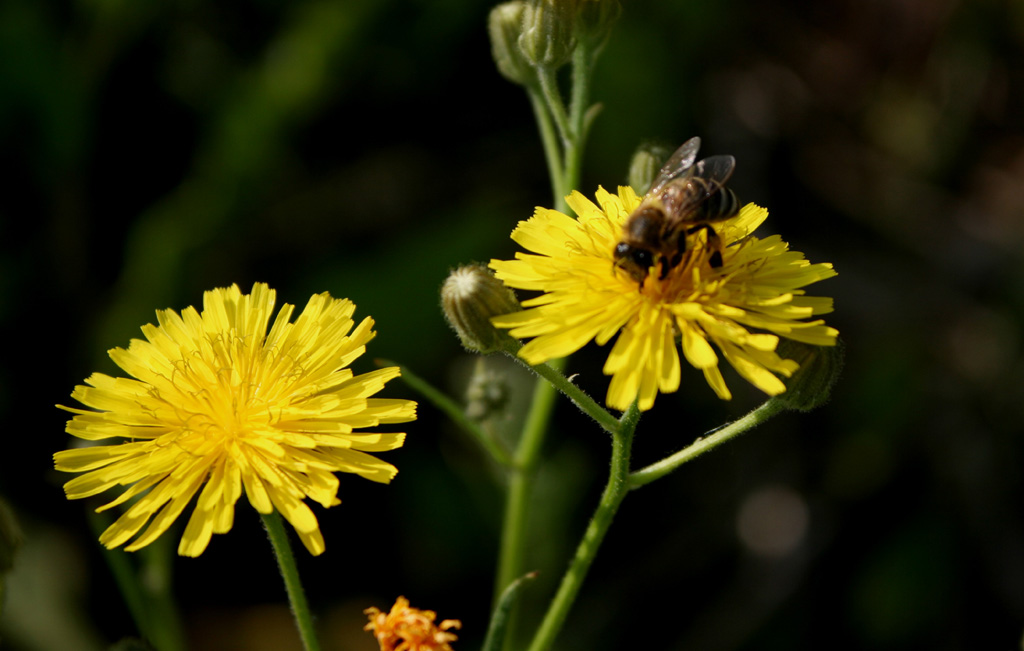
point(685, 198)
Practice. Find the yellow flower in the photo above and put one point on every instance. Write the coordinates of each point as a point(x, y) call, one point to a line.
point(410, 629)
point(219, 403)
point(742, 306)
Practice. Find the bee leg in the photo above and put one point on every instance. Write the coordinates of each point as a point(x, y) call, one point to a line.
point(672, 263)
point(714, 242)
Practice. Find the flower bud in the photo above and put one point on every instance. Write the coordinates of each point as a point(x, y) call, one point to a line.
point(505, 25)
point(644, 166)
point(470, 297)
point(548, 37)
point(810, 385)
point(596, 18)
point(487, 393)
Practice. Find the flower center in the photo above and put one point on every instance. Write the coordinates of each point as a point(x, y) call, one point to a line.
point(227, 394)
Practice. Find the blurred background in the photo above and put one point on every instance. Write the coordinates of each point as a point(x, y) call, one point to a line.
point(153, 151)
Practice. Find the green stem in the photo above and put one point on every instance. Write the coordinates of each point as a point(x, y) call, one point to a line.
point(127, 580)
point(582, 68)
point(454, 411)
point(614, 492)
point(146, 588)
point(513, 540)
point(157, 579)
point(552, 150)
point(554, 376)
point(585, 403)
point(548, 79)
point(564, 164)
point(502, 614)
point(293, 585)
point(514, 531)
point(700, 446)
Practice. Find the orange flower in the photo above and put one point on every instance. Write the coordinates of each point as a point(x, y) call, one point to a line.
point(410, 629)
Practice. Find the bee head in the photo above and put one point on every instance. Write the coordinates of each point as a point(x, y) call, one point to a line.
point(634, 260)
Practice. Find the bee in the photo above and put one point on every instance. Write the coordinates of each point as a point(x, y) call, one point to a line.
point(685, 198)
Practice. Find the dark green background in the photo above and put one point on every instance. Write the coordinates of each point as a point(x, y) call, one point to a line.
point(156, 150)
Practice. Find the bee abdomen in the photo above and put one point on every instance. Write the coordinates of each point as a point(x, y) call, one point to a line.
point(722, 203)
point(729, 203)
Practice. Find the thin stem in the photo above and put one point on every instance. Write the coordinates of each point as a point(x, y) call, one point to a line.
point(146, 589)
point(661, 468)
point(513, 540)
point(454, 411)
point(564, 164)
point(582, 68)
point(614, 492)
point(586, 403)
point(512, 549)
point(502, 613)
point(157, 579)
point(553, 375)
point(552, 149)
point(293, 585)
point(127, 580)
point(548, 79)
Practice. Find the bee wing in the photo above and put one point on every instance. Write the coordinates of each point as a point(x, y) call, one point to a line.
point(715, 171)
point(678, 164)
point(715, 168)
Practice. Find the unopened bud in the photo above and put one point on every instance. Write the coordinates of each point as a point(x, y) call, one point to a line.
point(505, 26)
point(644, 166)
point(548, 37)
point(596, 18)
point(809, 387)
point(487, 392)
point(470, 297)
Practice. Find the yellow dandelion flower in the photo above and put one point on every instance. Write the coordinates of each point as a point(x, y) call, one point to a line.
point(219, 403)
point(742, 306)
point(410, 629)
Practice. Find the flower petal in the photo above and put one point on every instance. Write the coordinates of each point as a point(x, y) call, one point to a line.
point(586, 296)
point(218, 406)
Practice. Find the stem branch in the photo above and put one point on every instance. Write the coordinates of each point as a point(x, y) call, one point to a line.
point(553, 375)
point(661, 468)
point(453, 411)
